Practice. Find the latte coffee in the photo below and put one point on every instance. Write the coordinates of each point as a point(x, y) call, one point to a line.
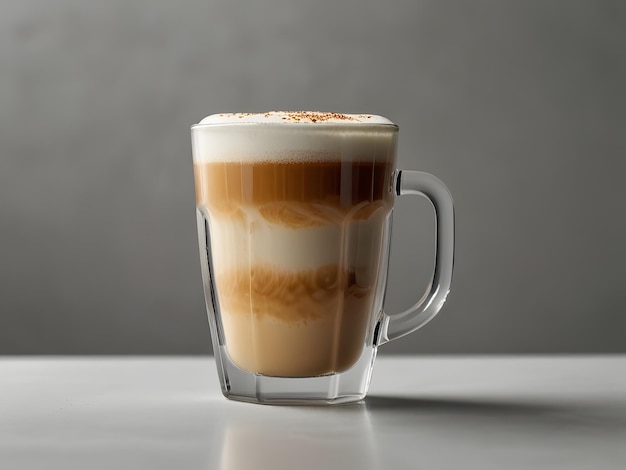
point(299, 225)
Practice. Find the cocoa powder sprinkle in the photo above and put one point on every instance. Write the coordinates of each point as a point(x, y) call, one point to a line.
point(313, 116)
point(304, 116)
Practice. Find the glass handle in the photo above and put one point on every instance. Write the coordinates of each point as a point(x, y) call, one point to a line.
point(433, 189)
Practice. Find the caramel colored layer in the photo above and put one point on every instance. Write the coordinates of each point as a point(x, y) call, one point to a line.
point(294, 324)
point(301, 215)
point(290, 296)
point(294, 191)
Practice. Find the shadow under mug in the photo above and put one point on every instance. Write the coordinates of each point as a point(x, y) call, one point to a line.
point(294, 224)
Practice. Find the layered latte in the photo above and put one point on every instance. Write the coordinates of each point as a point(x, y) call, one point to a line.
point(298, 216)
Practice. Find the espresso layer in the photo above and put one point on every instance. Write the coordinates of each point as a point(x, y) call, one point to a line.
point(225, 186)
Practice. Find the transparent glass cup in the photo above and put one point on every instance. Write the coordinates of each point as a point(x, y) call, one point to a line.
point(294, 223)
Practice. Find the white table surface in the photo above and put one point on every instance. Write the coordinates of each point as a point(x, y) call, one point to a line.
point(422, 413)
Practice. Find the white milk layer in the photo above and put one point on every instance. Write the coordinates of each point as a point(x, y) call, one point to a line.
point(243, 243)
point(281, 136)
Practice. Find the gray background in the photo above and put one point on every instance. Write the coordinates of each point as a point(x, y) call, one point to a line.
point(518, 105)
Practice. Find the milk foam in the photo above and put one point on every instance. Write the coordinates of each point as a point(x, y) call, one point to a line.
point(295, 117)
point(281, 136)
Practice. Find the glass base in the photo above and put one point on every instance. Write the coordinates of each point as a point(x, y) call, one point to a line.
point(344, 387)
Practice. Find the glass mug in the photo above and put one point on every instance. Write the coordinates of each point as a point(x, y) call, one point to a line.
point(294, 222)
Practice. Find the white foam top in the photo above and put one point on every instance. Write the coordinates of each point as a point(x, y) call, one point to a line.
point(294, 117)
point(293, 136)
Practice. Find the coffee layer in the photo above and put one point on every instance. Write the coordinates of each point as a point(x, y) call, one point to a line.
point(324, 185)
point(289, 296)
point(294, 323)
